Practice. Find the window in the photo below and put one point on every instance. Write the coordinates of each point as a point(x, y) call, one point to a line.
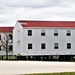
point(0, 48)
point(43, 46)
point(10, 47)
point(68, 45)
point(0, 37)
point(29, 32)
point(10, 36)
point(55, 45)
point(68, 33)
point(42, 32)
point(30, 46)
point(55, 32)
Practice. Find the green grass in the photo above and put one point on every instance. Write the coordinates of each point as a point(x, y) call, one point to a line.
point(9, 57)
point(64, 73)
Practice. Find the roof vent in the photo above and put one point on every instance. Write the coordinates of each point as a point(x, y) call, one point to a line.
point(24, 23)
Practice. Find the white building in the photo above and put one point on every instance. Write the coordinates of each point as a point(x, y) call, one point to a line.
point(3, 32)
point(44, 38)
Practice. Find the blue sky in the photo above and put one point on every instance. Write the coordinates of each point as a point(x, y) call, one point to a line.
point(52, 10)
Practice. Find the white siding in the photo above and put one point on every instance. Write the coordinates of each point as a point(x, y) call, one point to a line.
point(17, 39)
point(36, 39)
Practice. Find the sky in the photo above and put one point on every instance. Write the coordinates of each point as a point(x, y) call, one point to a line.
point(51, 10)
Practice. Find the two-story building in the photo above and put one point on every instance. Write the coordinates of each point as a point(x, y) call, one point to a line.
point(3, 32)
point(41, 40)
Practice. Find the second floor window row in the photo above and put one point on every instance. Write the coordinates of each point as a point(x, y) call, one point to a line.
point(43, 32)
point(10, 47)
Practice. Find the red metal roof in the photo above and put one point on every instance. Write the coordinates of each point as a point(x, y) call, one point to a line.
point(6, 29)
point(25, 23)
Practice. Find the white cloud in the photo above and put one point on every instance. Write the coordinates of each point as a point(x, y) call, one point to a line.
point(12, 10)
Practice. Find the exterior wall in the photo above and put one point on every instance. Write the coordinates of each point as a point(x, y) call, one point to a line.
point(17, 39)
point(36, 39)
point(3, 52)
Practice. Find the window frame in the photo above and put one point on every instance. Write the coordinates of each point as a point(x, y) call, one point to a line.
point(10, 49)
point(0, 48)
point(55, 32)
point(68, 33)
point(56, 45)
point(0, 37)
point(42, 32)
point(68, 45)
point(29, 32)
point(10, 36)
point(30, 46)
point(43, 45)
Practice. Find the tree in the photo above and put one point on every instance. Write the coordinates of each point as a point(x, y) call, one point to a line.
point(5, 42)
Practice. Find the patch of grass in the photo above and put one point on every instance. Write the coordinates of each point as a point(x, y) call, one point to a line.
point(9, 57)
point(62, 73)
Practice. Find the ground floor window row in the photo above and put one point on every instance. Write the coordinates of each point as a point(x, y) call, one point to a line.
point(10, 47)
point(43, 46)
